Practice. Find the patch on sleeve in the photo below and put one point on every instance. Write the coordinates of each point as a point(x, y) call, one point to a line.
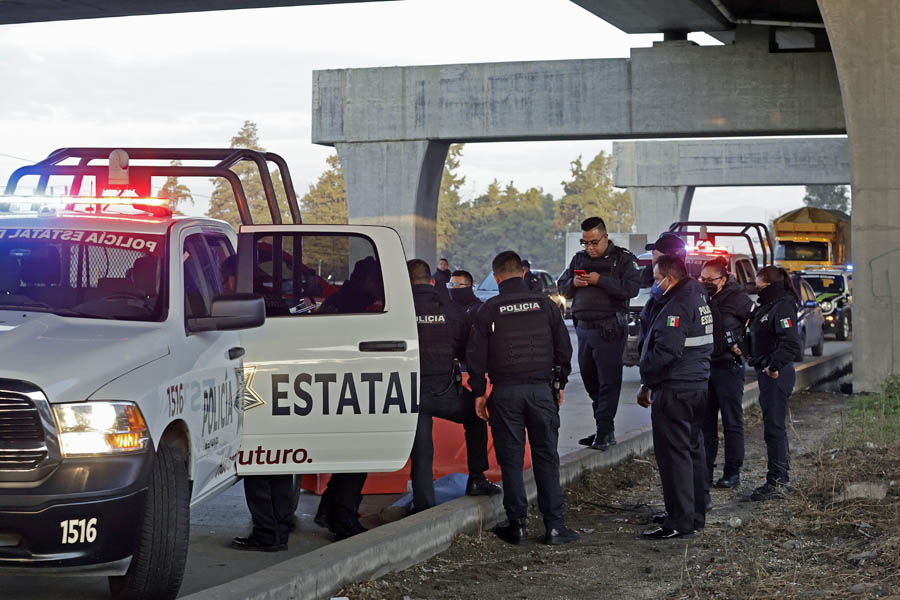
point(672, 321)
point(786, 323)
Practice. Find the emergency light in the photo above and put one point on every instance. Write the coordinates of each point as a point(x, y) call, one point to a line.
point(158, 207)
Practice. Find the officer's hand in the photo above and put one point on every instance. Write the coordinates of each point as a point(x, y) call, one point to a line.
point(592, 278)
point(481, 407)
point(737, 350)
point(643, 397)
point(559, 399)
point(771, 373)
point(581, 281)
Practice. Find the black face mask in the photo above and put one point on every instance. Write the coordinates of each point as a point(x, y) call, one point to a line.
point(461, 295)
point(711, 289)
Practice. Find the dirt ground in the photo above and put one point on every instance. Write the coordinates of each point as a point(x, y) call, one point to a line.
point(809, 545)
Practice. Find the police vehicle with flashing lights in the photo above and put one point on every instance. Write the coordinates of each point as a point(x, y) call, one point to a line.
point(833, 289)
point(149, 360)
point(701, 246)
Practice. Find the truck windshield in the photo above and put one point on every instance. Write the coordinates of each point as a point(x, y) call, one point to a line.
point(825, 284)
point(82, 273)
point(801, 251)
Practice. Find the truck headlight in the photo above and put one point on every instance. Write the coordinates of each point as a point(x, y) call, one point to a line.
point(92, 428)
point(827, 306)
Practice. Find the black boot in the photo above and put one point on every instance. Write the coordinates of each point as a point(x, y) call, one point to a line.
point(513, 533)
point(729, 481)
point(587, 441)
point(604, 442)
point(559, 535)
point(480, 486)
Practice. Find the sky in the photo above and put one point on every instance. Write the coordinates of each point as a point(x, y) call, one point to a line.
point(190, 80)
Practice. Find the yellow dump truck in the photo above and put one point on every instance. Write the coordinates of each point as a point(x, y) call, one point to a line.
point(812, 237)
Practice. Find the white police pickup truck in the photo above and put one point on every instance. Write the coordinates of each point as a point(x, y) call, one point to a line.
point(148, 360)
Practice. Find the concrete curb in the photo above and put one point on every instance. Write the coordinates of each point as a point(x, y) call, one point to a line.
point(398, 545)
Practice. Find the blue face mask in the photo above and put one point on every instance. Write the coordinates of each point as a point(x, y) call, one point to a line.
point(656, 292)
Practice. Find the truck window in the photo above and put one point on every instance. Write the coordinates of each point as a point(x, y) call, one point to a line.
point(313, 274)
point(744, 272)
point(82, 273)
point(203, 279)
point(785, 250)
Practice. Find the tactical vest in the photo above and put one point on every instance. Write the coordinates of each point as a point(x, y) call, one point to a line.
point(521, 340)
point(435, 337)
point(592, 302)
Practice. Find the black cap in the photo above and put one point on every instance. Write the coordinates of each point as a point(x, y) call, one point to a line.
point(668, 243)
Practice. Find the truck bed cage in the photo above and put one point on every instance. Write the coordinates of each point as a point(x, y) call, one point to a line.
point(141, 174)
point(681, 228)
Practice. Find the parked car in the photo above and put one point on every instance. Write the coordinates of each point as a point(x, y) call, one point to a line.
point(810, 321)
point(834, 291)
point(488, 288)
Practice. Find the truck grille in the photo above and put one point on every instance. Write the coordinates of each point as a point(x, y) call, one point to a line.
point(21, 460)
point(19, 420)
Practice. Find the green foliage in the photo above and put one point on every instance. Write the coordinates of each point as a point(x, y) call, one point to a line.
point(176, 193)
point(223, 205)
point(590, 192)
point(326, 200)
point(830, 197)
point(872, 418)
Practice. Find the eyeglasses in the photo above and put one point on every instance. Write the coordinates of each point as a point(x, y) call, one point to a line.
point(457, 284)
point(710, 279)
point(591, 243)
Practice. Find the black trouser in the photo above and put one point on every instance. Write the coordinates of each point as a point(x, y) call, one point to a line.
point(458, 407)
point(340, 502)
point(726, 394)
point(773, 400)
point(600, 361)
point(513, 410)
point(270, 500)
point(677, 416)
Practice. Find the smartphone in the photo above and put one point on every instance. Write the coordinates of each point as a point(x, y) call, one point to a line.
point(580, 272)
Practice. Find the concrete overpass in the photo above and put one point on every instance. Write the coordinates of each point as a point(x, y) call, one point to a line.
point(683, 98)
point(661, 175)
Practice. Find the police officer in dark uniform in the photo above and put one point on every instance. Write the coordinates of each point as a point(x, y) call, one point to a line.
point(443, 331)
point(773, 341)
point(731, 307)
point(441, 275)
point(519, 338)
point(339, 506)
point(601, 279)
point(461, 292)
point(531, 280)
point(675, 369)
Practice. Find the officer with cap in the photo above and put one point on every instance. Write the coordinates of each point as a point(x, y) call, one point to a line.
point(601, 279)
point(675, 369)
point(519, 338)
point(530, 278)
point(443, 331)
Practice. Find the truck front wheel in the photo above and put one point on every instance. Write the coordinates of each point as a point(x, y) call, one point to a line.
point(157, 566)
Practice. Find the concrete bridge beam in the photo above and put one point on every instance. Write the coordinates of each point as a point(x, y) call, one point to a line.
point(655, 208)
point(396, 184)
point(863, 36)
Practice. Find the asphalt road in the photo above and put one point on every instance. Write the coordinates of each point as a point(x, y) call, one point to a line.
point(211, 562)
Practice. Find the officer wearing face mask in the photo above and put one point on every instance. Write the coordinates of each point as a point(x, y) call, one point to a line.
point(773, 343)
point(462, 293)
point(600, 280)
point(668, 244)
point(731, 307)
point(674, 372)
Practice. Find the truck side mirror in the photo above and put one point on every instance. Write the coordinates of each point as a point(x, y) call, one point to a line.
point(234, 311)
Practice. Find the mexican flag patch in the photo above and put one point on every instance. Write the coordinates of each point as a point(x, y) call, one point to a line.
point(672, 321)
point(786, 323)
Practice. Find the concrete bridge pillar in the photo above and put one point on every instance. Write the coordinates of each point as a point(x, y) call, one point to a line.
point(396, 184)
point(655, 208)
point(863, 36)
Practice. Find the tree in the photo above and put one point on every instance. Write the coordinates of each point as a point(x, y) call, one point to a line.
point(449, 199)
point(829, 197)
point(590, 193)
point(176, 193)
point(326, 201)
point(222, 204)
